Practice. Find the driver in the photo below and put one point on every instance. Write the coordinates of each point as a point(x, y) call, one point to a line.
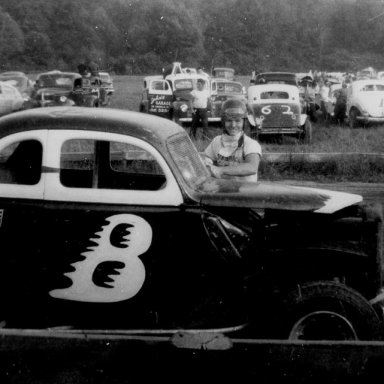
point(233, 155)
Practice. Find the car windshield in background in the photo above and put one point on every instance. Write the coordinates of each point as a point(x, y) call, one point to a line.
point(105, 78)
point(274, 95)
point(229, 88)
point(57, 81)
point(373, 87)
point(183, 84)
point(187, 160)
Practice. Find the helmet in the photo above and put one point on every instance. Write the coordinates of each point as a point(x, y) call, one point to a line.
point(233, 108)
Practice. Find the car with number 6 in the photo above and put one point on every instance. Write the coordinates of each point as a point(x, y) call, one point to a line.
point(111, 223)
point(279, 108)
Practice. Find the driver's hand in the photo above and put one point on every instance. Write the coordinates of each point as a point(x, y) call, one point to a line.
point(216, 171)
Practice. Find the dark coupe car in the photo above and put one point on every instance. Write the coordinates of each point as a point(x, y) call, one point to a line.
point(111, 221)
point(56, 88)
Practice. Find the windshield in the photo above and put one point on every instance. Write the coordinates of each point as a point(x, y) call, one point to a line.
point(373, 87)
point(105, 78)
point(231, 88)
point(56, 81)
point(186, 84)
point(187, 160)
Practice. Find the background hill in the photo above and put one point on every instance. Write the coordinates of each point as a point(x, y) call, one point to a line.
point(142, 36)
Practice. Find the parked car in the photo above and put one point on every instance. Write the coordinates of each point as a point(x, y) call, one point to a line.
point(11, 99)
point(171, 97)
point(365, 102)
point(107, 82)
point(280, 110)
point(156, 97)
point(23, 84)
point(65, 89)
point(276, 78)
point(110, 221)
point(223, 72)
point(20, 81)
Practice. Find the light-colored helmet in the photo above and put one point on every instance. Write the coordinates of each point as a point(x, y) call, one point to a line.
point(233, 109)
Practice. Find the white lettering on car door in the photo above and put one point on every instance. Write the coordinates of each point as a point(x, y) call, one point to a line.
point(111, 270)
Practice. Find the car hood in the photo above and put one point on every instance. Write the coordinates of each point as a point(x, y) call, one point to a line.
point(231, 193)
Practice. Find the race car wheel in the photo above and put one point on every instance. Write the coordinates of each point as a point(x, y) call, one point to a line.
point(306, 135)
point(352, 118)
point(326, 310)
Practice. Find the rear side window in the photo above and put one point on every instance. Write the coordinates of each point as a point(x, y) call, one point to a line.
point(109, 165)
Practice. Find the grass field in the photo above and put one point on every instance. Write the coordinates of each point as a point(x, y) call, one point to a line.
point(328, 139)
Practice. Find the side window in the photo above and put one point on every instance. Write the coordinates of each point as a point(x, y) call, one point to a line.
point(109, 165)
point(20, 163)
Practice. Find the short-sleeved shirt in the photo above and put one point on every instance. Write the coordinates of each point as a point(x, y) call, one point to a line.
point(200, 98)
point(237, 157)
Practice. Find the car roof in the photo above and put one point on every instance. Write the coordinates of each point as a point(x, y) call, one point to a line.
point(150, 128)
point(74, 74)
point(271, 74)
point(12, 73)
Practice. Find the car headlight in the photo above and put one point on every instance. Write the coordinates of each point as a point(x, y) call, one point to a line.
point(63, 99)
point(184, 108)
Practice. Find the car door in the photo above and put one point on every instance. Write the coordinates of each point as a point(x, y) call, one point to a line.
point(160, 97)
point(22, 183)
point(121, 245)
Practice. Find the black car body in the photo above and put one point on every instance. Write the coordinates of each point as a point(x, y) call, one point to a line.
point(58, 88)
point(111, 221)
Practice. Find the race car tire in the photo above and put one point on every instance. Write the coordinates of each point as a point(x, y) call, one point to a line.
point(327, 310)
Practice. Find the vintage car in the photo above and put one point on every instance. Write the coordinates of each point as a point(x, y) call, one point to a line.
point(65, 89)
point(365, 102)
point(107, 83)
point(111, 222)
point(11, 99)
point(20, 81)
point(223, 72)
point(171, 97)
point(280, 110)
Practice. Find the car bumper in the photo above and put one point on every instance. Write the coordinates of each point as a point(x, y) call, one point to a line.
point(210, 119)
point(370, 119)
point(279, 131)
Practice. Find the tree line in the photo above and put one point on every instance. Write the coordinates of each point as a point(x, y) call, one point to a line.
point(142, 36)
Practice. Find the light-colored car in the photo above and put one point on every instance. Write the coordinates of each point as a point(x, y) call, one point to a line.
point(11, 99)
point(20, 81)
point(171, 97)
point(107, 82)
point(365, 102)
point(279, 108)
